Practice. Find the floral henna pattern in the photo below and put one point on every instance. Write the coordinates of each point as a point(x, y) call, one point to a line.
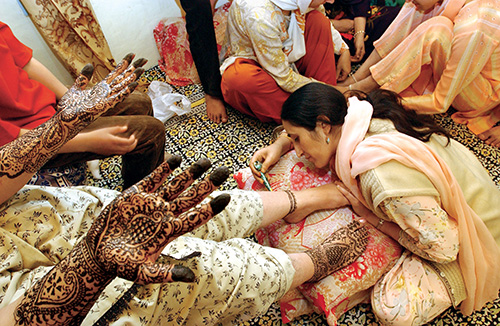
point(66, 294)
point(184, 179)
point(342, 248)
point(133, 229)
point(76, 109)
point(125, 241)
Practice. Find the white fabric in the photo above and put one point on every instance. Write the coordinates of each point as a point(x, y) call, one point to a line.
point(295, 45)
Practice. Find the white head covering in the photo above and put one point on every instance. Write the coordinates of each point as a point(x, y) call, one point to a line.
point(295, 45)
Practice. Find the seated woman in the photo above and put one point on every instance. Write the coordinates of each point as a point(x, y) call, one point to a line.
point(360, 24)
point(274, 48)
point(412, 182)
point(446, 57)
point(61, 249)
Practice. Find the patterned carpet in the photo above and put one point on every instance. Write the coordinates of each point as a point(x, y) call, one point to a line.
point(194, 136)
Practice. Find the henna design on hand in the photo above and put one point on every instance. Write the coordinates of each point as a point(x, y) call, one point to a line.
point(125, 241)
point(131, 231)
point(342, 248)
point(66, 294)
point(77, 108)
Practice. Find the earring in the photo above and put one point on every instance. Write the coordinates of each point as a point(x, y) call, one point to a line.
point(328, 140)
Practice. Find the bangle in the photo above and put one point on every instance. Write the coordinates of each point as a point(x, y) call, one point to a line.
point(293, 201)
point(353, 78)
point(359, 32)
point(379, 224)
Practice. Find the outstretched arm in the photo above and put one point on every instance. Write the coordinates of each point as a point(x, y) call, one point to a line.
point(22, 157)
point(124, 241)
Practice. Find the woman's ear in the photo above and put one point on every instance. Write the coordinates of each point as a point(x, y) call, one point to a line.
point(323, 123)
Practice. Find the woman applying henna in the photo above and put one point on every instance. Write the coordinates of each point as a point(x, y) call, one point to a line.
point(445, 217)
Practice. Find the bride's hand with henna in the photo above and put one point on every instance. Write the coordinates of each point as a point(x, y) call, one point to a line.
point(78, 107)
point(130, 233)
point(125, 241)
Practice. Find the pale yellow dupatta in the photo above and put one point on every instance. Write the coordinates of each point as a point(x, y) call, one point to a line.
point(479, 255)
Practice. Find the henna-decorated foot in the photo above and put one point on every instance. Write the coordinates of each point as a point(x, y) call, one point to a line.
point(342, 248)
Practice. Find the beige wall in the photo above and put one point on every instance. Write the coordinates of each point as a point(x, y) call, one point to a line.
point(127, 25)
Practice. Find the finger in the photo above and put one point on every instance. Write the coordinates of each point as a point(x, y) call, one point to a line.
point(200, 191)
point(156, 178)
point(343, 76)
point(134, 71)
point(120, 67)
point(83, 79)
point(188, 221)
point(113, 99)
point(160, 273)
point(354, 59)
point(116, 87)
point(184, 179)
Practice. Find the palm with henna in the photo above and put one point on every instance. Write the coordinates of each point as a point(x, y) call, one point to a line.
point(125, 241)
point(24, 156)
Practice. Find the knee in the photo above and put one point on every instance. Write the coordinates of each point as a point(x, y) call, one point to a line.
point(156, 126)
point(439, 27)
point(243, 77)
point(141, 103)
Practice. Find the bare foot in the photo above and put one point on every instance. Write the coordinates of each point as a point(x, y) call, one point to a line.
point(216, 110)
point(491, 137)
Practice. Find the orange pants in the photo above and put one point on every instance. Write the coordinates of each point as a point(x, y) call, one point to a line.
point(250, 89)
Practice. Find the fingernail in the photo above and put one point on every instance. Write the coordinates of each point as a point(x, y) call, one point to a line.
point(219, 175)
point(88, 70)
point(174, 161)
point(219, 203)
point(182, 274)
point(198, 168)
point(129, 57)
point(133, 86)
point(140, 62)
point(138, 72)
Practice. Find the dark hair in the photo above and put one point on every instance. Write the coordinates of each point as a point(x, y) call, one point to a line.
point(305, 106)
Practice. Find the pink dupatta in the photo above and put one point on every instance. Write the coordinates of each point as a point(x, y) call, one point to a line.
point(479, 255)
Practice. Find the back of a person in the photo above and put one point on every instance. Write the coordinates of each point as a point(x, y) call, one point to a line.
point(244, 13)
point(481, 193)
point(481, 19)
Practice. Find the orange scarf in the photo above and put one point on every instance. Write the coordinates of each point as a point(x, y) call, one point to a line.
point(479, 255)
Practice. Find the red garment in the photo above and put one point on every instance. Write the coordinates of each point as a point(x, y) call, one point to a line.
point(24, 103)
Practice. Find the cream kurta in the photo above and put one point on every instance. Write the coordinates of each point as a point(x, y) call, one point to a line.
point(426, 280)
